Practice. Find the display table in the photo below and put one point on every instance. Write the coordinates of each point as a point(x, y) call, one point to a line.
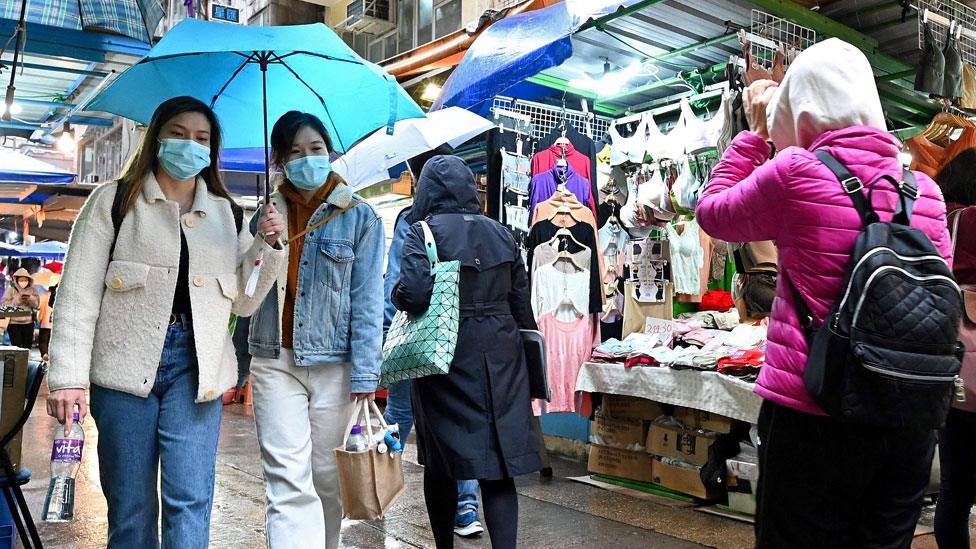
point(709, 391)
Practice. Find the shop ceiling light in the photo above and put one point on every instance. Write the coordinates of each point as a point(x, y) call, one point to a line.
point(431, 92)
point(67, 143)
point(611, 82)
point(14, 109)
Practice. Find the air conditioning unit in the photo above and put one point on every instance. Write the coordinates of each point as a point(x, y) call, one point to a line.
point(370, 17)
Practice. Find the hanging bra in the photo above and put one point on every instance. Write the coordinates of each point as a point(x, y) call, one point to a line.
point(628, 149)
point(657, 143)
point(930, 77)
point(716, 124)
point(694, 135)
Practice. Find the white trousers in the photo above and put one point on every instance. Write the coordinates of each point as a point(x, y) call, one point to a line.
point(301, 413)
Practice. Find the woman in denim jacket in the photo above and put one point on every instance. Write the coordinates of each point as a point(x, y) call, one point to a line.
point(317, 340)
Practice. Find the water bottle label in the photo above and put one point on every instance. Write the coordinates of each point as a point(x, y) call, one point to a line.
point(67, 450)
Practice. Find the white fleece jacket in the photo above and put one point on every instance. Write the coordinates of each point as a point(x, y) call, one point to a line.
point(113, 313)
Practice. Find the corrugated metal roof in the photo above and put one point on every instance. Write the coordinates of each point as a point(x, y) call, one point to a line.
point(674, 24)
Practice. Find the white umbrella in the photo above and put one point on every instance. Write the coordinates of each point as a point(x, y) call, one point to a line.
point(369, 161)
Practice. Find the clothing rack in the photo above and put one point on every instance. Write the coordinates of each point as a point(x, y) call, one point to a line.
point(769, 34)
point(546, 118)
point(945, 13)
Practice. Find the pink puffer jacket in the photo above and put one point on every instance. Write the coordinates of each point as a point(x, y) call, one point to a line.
point(795, 201)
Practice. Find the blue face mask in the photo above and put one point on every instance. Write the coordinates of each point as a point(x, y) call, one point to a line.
point(308, 172)
point(183, 158)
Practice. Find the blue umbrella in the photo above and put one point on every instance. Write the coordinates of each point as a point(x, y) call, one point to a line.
point(302, 67)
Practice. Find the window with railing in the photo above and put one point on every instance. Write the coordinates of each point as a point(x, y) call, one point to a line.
point(418, 22)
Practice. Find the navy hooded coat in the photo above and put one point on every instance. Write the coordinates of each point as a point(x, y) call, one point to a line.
point(474, 422)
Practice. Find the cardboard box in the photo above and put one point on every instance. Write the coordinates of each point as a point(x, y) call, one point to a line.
point(686, 480)
point(14, 391)
point(683, 444)
point(621, 463)
point(700, 419)
point(628, 407)
point(630, 434)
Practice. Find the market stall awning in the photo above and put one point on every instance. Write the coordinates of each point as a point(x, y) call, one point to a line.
point(20, 168)
point(517, 48)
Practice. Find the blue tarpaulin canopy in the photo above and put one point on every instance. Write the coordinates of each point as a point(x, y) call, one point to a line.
point(516, 48)
point(20, 168)
point(49, 250)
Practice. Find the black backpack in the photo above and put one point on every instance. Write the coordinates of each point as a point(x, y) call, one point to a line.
point(118, 215)
point(888, 353)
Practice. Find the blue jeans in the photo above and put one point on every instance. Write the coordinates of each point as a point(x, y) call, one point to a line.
point(467, 496)
point(167, 432)
point(399, 410)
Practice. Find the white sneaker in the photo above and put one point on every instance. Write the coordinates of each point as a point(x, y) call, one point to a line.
point(468, 525)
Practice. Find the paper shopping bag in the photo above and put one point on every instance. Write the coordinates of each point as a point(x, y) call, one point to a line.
point(370, 482)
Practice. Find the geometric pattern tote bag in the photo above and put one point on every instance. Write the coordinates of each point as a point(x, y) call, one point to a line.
point(423, 345)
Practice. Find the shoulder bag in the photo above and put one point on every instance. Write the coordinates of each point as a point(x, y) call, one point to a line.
point(424, 345)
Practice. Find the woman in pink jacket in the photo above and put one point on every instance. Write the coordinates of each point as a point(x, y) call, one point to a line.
point(824, 483)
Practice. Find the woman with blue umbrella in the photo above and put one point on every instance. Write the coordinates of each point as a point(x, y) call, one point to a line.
point(156, 265)
point(317, 343)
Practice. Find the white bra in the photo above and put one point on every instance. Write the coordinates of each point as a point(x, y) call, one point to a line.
point(692, 134)
point(628, 149)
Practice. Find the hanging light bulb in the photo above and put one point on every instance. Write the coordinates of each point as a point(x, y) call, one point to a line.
point(14, 109)
point(431, 92)
point(67, 143)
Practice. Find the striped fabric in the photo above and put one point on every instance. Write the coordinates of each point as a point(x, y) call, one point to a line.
point(130, 18)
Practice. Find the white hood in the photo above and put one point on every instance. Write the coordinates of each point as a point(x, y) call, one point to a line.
point(829, 86)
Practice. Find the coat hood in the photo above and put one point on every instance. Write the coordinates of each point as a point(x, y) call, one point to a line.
point(830, 86)
point(22, 273)
point(446, 185)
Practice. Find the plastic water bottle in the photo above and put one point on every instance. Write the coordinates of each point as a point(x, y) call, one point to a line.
point(357, 440)
point(65, 463)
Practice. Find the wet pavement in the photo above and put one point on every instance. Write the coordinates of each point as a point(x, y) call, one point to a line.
point(553, 513)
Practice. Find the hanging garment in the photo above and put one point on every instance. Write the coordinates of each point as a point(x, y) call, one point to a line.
point(568, 346)
point(930, 77)
point(686, 186)
point(516, 172)
point(966, 140)
point(705, 242)
point(546, 159)
point(692, 134)
point(629, 149)
point(687, 258)
point(652, 195)
point(637, 312)
point(968, 100)
point(613, 242)
point(583, 145)
point(715, 124)
point(498, 140)
point(603, 168)
point(578, 212)
point(735, 120)
point(952, 81)
point(658, 144)
point(547, 253)
point(544, 185)
point(545, 230)
point(927, 157)
point(551, 284)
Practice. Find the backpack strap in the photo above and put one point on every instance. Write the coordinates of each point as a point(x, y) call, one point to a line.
point(853, 186)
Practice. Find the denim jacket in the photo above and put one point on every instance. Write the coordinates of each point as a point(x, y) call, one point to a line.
point(339, 307)
point(393, 266)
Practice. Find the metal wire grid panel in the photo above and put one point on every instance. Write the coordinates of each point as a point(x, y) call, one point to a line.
point(545, 118)
point(942, 14)
point(774, 32)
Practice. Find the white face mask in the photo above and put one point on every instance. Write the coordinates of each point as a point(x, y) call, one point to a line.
point(23, 284)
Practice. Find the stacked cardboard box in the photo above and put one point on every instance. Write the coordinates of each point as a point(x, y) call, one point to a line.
point(618, 435)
